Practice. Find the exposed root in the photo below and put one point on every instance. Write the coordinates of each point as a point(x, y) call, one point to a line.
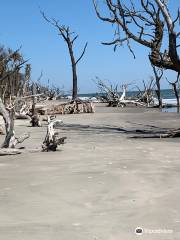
point(52, 139)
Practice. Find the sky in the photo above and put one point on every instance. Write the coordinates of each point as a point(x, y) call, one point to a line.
point(21, 24)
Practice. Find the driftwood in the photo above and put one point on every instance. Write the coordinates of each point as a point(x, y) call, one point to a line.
point(113, 98)
point(175, 133)
point(73, 107)
point(21, 109)
point(10, 140)
point(52, 139)
point(9, 151)
point(153, 132)
point(79, 106)
point(52, 110)
point(35, 118)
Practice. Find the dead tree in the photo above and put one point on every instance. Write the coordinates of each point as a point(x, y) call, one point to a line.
point(147, 94)
point(27, 79)
point(10, 140)
point(110, 91)
point(112, 96)
point(35, 118)
point(175, 88)
point(52, 139)
point(158, 73)
point(69, 38)
point(146, 23)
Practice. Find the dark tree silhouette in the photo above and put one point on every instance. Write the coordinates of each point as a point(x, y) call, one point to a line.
point(69, 37)
point(146, 22)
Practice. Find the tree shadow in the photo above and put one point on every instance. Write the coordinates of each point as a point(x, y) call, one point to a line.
point(147, 131)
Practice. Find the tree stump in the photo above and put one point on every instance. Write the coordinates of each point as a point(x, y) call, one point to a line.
point(52, 139)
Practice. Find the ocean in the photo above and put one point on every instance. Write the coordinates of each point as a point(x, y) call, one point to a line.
point(165, 93)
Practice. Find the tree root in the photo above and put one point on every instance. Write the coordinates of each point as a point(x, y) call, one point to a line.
point(52, 139)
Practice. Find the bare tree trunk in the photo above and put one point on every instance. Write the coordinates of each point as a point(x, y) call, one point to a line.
point(35, 120)
point(10, 140)
point(69, 38)
point(27, 78)
point(74, 71)
point(9, 125)
point(158, 93)
point(176, 90)
point(158, 73)
point(177, 95)
point(75, 88)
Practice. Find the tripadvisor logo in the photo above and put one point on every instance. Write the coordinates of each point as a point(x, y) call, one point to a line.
point(139, 231)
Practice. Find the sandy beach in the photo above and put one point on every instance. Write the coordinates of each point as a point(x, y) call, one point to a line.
point(101, 185)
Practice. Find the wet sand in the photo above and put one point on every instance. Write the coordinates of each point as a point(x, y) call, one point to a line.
point(100, 185)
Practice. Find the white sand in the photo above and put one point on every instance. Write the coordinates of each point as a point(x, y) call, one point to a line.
point(101, 185)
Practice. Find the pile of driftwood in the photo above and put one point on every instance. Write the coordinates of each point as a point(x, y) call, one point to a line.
point(27, 108)
point(112, 96)
point(73, 107)
point(51, 142)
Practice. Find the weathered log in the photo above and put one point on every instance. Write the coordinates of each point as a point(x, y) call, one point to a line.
point(73, 107)
point(22, 116)
point(150, 132)
point(52, 139)
point(168, 134)
point(21, 110)
point(9, 151)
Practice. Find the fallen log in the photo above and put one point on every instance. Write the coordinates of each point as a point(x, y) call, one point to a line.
point(158, 133)
point(22, 116)
point(73, 107)
point(9, 151)
point(169, 134)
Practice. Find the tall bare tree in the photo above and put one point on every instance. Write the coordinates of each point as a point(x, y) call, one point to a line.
point(69, 37)
point(145, 22)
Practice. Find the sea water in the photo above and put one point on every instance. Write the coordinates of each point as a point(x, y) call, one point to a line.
point(167, 96)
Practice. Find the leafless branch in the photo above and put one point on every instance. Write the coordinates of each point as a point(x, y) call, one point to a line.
point(83, 52)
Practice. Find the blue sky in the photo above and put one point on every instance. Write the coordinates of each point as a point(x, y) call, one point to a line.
point(22, 24)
